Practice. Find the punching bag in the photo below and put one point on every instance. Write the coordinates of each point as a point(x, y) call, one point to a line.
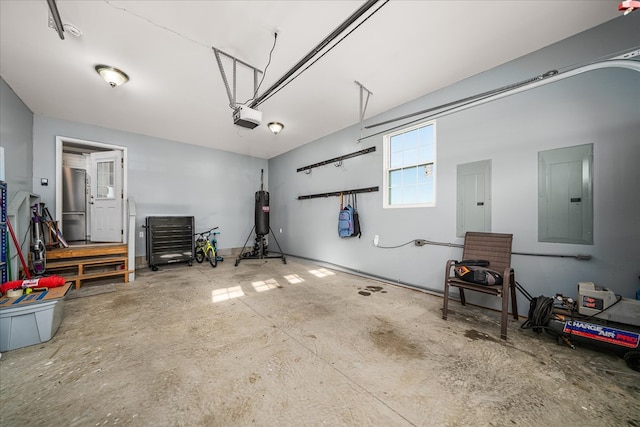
point(262, 209)
point(262, 213)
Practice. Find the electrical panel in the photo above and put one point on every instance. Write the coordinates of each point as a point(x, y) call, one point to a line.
point(473, 210)
point(565, 195)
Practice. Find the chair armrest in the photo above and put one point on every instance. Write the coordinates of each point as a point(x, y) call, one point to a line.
point(450, 264)
point(508, 272)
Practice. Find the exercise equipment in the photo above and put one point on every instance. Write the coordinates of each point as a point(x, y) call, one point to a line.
point(261, 228)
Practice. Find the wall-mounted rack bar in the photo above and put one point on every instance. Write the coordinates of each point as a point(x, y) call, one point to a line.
point(337, 193)
point(338, 159)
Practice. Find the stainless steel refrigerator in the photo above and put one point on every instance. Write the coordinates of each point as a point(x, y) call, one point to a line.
point(74, 204)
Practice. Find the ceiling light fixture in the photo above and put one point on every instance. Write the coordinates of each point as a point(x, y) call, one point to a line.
point(275, 127)
point(629, 6)
point(112, 75)
point(72, 29)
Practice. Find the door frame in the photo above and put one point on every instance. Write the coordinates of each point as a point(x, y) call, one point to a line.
point(91, 146)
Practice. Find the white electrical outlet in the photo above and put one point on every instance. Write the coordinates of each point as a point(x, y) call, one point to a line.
point(141, 234)
point(376, 240)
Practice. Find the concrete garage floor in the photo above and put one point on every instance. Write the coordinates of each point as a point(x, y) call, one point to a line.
point(300, 345)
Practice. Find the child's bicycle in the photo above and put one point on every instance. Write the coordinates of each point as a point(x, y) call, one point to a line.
point(206, 247)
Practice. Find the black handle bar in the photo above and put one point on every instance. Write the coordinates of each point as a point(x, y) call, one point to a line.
point(205, 232)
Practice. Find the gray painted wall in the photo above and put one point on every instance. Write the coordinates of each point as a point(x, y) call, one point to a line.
point(169, 178)
point(16, 128)
point(600, 107)
point(166, 178)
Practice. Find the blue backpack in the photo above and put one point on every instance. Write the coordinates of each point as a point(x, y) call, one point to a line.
point(345, 222)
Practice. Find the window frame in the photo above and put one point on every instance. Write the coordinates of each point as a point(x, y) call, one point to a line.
point(386, 144)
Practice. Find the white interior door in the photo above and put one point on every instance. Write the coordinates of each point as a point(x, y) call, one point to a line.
point(106, 196)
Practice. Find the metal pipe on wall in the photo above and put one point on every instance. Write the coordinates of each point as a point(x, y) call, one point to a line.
point(581, 257)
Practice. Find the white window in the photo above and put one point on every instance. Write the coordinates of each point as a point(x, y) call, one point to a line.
point(410, 167)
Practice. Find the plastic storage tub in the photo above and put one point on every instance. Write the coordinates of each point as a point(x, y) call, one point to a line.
point(24, 323)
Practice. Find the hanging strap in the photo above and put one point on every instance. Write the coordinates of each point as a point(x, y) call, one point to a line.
point(356, 216)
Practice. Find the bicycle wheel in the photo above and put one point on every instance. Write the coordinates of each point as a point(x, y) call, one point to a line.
point(212, 258)
point(199, 255)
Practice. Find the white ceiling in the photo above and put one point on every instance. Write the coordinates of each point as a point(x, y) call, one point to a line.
point(407, 49)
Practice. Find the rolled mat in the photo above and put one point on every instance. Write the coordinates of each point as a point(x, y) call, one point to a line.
point(42, 282)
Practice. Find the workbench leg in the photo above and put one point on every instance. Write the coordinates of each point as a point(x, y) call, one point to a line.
point(80, 273)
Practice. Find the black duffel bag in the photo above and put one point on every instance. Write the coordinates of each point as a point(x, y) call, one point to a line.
point(476, 271)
